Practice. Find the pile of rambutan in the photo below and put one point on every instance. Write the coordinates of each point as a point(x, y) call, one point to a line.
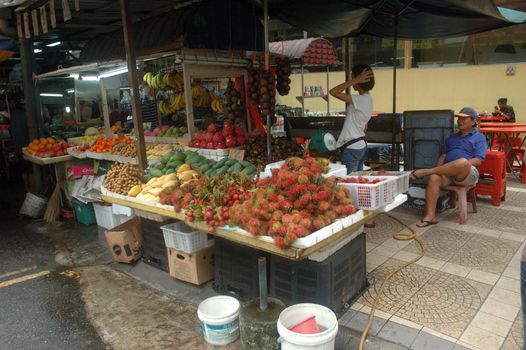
point(294, 202)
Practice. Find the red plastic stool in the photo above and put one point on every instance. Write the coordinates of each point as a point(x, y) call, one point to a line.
point(463, 193)
point(492, 181)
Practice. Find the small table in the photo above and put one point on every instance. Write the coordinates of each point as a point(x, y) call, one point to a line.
point(511, 135)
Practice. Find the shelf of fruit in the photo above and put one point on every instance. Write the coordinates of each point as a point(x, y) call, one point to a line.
point(165, 134)
point(44, 151)
point(216, 143)
point(279, 214)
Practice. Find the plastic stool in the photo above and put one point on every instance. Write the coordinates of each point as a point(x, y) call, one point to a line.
point(463, 192)
point(492, 179)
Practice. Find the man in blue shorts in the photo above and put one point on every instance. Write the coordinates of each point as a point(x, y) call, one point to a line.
point(458, 165)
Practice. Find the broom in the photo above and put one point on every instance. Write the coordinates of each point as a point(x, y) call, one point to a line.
point(53, 205)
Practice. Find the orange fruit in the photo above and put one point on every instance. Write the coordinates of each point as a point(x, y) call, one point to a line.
point(50, 140)
point(43, 140)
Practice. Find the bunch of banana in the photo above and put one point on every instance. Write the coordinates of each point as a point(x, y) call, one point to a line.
point(174, 80)
point(154, 80)
point(174, 103)
point(159, 150)
point(200, 96)
point(216, 104)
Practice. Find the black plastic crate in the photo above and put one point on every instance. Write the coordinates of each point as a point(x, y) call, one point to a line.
point(236, 269)
point(334, 282)
point(425, 133)
point(154, 249)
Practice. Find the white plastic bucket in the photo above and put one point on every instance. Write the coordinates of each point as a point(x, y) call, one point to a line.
point(325, 318)
point(33, 205)
point(219, 318)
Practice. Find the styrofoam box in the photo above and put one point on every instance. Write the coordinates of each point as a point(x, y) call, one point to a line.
point(105, 217)
point(336, 169)
point(372, 196)
point(183, 237)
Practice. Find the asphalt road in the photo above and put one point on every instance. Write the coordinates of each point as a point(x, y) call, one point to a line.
point(40, 302)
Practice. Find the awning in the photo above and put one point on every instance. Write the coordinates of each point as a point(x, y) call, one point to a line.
point(310, 50)
point(418, 19)
point(220, 25)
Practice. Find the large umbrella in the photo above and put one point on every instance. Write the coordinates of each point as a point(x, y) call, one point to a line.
point(410, 19)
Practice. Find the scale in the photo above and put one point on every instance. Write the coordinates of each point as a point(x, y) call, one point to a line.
point(322, 142)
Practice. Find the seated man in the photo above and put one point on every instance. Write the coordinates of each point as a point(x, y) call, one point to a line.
point(458, 165)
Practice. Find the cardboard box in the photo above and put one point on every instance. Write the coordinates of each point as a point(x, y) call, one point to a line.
point(196, 267)
point(125, 241)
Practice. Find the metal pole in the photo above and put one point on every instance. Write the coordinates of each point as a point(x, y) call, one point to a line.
point(327, 93)
point(134, 82)
point(395, 46)
point(265, 15)
point(105, 111)
point(263, 293)
point(302, 93)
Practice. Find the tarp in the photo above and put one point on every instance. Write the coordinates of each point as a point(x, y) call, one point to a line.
point(418, 19)
point(218, 24)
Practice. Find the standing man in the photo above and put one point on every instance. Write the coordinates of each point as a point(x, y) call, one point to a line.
point(458, 165)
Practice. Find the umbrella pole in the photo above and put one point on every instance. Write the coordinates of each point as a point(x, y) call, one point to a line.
point(395, 46)
point(265, 23)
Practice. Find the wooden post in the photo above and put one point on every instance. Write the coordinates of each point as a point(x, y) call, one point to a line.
point(105, 112)
point(26, 25)
point(43, 19)
point(77, 5)
point(19, 26)
point(66, 12)
point(134, 82)
point(189, 106)
point(408, 48)
point(34, 18)
point(52, 13)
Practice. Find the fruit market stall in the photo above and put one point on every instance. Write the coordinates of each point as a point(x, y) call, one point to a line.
point(292, 212)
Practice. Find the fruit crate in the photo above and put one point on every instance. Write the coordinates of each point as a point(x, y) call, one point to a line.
point(236, 270)
point(334, 282)
point(180, 236)
point(372, 196)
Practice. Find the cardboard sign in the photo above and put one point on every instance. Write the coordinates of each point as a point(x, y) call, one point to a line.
point(236, 153)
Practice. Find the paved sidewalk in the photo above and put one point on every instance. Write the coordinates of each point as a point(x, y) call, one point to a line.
point(464, 292)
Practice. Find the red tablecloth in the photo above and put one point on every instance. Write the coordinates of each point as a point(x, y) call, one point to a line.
point(492, 118)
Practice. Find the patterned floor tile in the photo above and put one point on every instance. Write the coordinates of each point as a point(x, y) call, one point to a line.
point(517, 199)
point(384, 229)
point(467, 249)
point(514, 339)
point(502, 220)
point(434, 299)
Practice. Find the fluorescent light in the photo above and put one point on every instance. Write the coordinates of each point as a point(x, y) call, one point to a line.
point(45, 94)
point(74, 75)
point(37, 51)
point(70, 91)
point(68, 109)
point(111, 73)
point(89, 77)
point(56, 43)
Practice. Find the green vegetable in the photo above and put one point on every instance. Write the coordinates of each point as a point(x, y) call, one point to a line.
point(156, 172)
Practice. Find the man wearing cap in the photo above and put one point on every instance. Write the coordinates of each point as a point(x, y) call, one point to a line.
point(458, 165)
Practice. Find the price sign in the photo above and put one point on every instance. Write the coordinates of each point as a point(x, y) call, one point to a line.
point(236, 153)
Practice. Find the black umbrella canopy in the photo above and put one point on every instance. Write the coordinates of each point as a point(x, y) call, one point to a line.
point(417, 19)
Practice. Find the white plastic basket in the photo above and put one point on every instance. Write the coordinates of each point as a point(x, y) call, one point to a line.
point(372, 196)
point(33, 205)
point(183, 237)
point(104, 216)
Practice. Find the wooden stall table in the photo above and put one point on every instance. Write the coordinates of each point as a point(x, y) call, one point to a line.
point(54, 205)
point(244, 238)
point(513, 137)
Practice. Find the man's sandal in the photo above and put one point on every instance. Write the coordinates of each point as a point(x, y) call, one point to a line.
point(425, 223)
point(413, 176)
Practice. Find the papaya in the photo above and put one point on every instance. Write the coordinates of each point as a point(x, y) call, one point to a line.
point(156, 172)
point(230, 162)
point(235, 168)
point(244, 163)
point(180, 156)
point(170, 171)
